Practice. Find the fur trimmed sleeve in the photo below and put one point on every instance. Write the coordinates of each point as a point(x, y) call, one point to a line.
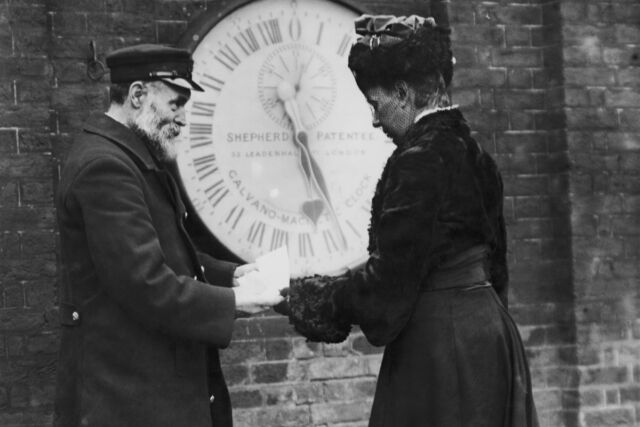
point(379, 297)
point(314, 312)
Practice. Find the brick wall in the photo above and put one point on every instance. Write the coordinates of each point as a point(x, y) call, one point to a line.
point(551, 89)
point(601, 44)
point(509, 84)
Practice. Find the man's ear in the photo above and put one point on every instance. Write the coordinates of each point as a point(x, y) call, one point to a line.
point(137, 92)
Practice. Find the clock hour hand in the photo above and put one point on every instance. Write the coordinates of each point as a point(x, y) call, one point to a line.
point(286, 93)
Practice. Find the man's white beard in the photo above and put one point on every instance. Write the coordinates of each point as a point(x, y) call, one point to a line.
point(160, 135)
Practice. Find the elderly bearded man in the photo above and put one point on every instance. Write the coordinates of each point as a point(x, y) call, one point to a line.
point(143, 312)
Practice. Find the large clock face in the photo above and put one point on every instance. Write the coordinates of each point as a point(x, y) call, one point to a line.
point(280, 149)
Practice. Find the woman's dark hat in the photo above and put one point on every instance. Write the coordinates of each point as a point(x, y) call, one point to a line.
point(385, 30)
point(152, 62)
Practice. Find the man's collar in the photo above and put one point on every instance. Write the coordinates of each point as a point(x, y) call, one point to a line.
point(115, 131)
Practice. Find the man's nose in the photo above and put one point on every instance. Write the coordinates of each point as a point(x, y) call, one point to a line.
point(181, 117)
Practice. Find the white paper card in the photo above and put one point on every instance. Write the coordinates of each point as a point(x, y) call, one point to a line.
point(274, 266)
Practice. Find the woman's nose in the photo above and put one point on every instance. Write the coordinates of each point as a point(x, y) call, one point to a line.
point(374, 118)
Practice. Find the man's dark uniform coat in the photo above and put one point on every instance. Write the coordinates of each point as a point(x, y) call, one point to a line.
point(140, 324)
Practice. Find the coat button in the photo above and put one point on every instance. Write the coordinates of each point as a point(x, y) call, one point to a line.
point(186, 215)
point(195, 277)
point(212, 398)
point(202, 269)
point(75, 316)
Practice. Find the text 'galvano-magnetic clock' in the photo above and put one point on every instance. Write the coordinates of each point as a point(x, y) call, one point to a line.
point(280, 148)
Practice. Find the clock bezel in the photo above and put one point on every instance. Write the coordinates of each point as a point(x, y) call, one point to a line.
point(204, 237)
point(211, 17)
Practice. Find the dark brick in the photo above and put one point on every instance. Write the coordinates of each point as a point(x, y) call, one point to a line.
point(622, 98)
point(563, 377)
point(38, 243)
point(522, 142)
point(589, 76)
point(275, 416)
point(619, 56)
point(72, 97)
point(4, 398)
point(30, 142)
point(236, 374)
point(525, 185)
point(519, 78)
point(33, 269)
point(179, 9)
point(30, 40)
point(27, 218)
point(14, 296)
point(573, 11)
point(461, 12)
point(77, 5)
point(517, 36)
point(9, 245)
point(36, 192)
point(25, 115)
point(19, 396)
point(576, 56)
point(627, 33)
point(243, 351)
point(476, 34)
point(519, 99)
point(474, 77)
point(487, 121)
point(26, 165)
point(630, 119)
point(589, 118)
point(466, 97)
point(71, 71)
point(608, 417)
point(7, 96)
point(465, 57)
point(269, 372)
point(70, 23)
point(544, 78)
point(278, 349)
point(302, 393)
point(626, 12)
point(122, 23)
point(9, 191)
point(45, 344)
point(579, 34)
point(29, 91)
point(77, 47)
point(517, 57)
point(169, 32)
point(520, 14)
point(552, 162)
point(246, 398)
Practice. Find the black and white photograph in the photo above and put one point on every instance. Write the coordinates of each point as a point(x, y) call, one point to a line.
point(319, 213)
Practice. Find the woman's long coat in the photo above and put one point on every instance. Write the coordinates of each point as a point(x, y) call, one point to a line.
point(453, 355)
point(140, 324)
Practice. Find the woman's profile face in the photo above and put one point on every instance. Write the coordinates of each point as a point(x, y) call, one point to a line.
point(388, 112)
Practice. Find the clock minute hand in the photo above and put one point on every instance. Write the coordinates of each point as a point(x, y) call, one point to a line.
point(286, 94)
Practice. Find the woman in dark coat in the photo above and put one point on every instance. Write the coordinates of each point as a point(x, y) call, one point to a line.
point(434, 289)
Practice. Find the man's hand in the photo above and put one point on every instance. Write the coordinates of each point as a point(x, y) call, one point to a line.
point(254, 293)
point(241, 270)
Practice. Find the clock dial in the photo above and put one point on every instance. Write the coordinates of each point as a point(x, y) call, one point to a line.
point(279, 148)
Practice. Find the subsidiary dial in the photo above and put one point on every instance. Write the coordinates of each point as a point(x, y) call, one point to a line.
point(308, 73)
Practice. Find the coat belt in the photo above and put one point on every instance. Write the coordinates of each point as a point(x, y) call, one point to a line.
point(464, 270)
